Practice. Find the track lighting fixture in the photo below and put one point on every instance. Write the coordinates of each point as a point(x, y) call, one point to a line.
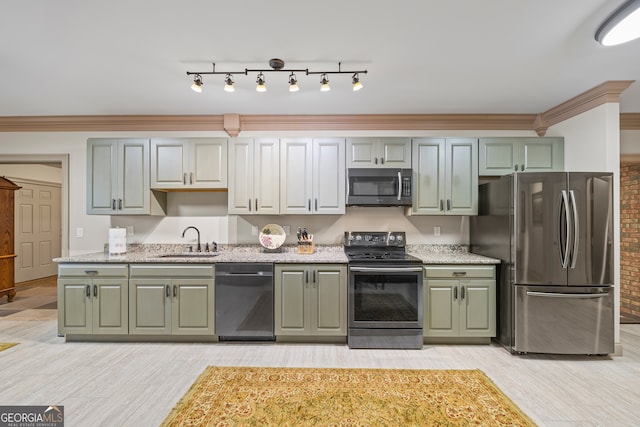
point(261, 87)
point(621, 26)
point(324, 83)
point(197, 83)
point(356, 82)
point(228, 84)
point(293, 83)
point(277, 65)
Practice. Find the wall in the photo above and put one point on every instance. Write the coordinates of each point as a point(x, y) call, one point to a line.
point(208, 212)
point(630, 240)
point(629, 142)
point(592, 142)
point(35, 172)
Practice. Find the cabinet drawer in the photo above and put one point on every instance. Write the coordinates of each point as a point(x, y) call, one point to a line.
point(172, 271)
point(462, 271)
point(93, 270)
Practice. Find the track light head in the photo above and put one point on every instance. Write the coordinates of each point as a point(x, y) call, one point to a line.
point(228, 84)
point(293, 83)
point(356, 82)
point(197, 83)
point(324, 83)
point(261, 87)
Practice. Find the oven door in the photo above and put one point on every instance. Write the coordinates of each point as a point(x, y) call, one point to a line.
point(385, 297)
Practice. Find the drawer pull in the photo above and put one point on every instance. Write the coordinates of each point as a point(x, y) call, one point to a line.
point(459, 273)
point(91, 272)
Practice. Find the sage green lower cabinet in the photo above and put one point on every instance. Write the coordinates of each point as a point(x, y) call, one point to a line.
point(171, 300)
point(93, 299)
point(311, 300)
point(460, 301)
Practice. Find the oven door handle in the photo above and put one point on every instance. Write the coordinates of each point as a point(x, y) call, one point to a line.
point(386, 270)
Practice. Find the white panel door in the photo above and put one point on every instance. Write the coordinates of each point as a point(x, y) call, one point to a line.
point(38, 229)
point(296, 189)
point(329, 176)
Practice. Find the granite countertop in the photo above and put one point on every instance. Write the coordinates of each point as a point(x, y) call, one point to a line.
point(329, 254)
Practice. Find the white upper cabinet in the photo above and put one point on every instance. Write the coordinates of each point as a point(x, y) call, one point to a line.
point(445, 176)
point(312, 180)
point(502, 156)
point(118, 178)
point(379, 152)
point(194, 163)
point(254, 178)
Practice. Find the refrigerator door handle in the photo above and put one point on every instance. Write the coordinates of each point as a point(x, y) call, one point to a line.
point(576, 223)
point(561, 295)
point(564, 258)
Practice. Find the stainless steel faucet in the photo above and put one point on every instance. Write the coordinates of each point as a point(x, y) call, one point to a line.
point(199, 248)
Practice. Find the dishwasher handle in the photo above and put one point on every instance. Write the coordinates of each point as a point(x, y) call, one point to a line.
point(258, 274)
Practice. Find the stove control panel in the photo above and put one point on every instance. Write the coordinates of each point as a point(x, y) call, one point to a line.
point(374, 238)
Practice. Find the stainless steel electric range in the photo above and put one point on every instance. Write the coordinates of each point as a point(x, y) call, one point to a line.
point(384, 291)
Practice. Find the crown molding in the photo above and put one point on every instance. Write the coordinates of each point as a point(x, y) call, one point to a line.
point(629, 121)
point(608, 91)
point(110, 123)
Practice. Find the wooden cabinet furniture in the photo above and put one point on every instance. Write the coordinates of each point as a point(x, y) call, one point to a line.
point(171, 300)
point(460, 301)
point(7, 246)
point(445, 176)
point(254, 182)
point(118, 178)
point(93, 299)
point(189, 164)
point(379, 152)
point(310, 300)
point(312, 179)
point(502, 156)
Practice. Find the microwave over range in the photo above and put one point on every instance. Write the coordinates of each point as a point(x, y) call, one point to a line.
point(378, 187)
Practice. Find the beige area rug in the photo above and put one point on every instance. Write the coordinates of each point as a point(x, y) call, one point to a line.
point(243, 396)
point(6, 345)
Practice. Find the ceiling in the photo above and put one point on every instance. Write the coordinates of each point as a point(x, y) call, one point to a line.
point(78, 57)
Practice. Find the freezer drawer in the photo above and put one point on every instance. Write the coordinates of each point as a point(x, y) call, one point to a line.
point(563, 320)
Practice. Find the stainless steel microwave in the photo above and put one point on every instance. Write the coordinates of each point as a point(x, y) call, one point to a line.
point(378, 187)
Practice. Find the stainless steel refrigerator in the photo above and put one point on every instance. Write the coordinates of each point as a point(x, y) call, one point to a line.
point(553, 233)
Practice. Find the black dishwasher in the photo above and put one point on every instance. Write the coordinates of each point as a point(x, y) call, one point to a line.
point(244, 301)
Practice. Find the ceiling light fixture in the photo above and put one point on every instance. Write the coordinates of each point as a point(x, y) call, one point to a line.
point(621, 26)
point(277, 65)
point(261, 87)
point(293, 83)
point(197, 83)
point(324, 83)
point(356, 82)
point(228, 84)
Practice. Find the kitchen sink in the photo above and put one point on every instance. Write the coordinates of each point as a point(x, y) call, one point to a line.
point(190, 255)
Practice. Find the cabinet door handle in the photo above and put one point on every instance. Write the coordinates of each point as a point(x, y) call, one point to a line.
point(306, 277)
point(382, 160)
point(516, 168)
point(375, 160)
point(441, 204)
point(522, 168)
point(256, 205)
point(175, 291)
point(167, 291)
point(249, 205)
point(191, 178)
point(461, 292)
point(309, 205)
point(88, 291)
point(95, 291)
point(448, 204)
point(455, 293)
point(314, 276)
point(119, 204)
point(113, 204)
point(184, 178)
point(316, 205)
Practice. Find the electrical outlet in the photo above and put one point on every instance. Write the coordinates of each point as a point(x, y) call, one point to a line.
point(436, 230)
point(129, 230)
point(254, 230)
point(79, 232)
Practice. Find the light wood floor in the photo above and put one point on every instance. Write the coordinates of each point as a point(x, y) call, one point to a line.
point(127, 384)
